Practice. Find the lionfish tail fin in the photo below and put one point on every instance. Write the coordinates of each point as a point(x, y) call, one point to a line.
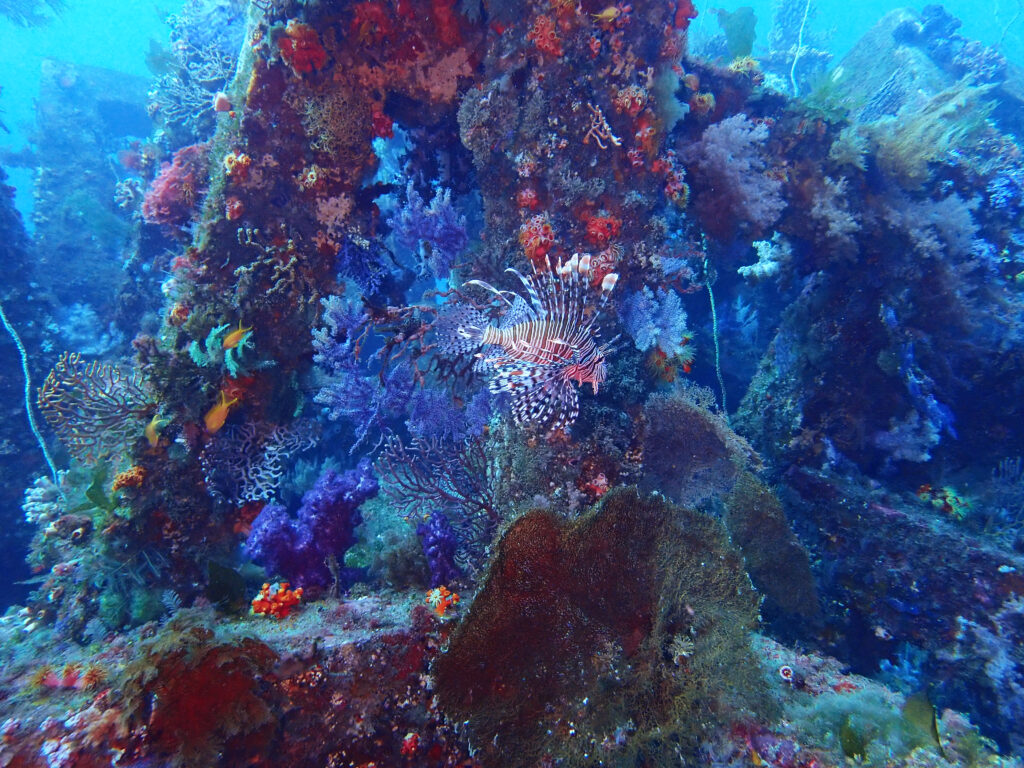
point(460, 329)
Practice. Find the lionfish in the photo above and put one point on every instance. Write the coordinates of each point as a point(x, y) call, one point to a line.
point(543, 343)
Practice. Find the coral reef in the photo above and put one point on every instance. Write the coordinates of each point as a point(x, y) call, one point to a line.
point(328, 462)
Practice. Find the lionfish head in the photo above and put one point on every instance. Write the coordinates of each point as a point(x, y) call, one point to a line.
point(587, 369)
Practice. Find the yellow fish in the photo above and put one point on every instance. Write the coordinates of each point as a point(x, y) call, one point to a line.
point(608, 15)
point(152, 430)
point(235, 338)
point(218, 414)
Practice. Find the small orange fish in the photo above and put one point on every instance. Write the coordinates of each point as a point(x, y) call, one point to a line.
point(152, 430)
point(236, 337)
point(218, 414)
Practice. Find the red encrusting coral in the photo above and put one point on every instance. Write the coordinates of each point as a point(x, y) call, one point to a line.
point(602, 229)
point(371, 23)
point(383, 126)
point(536, 235)
point(234, 208)
point(684, 14)
point(544, 35)
point(200, 699)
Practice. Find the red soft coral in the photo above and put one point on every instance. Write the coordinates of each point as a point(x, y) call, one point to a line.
point(300, 48)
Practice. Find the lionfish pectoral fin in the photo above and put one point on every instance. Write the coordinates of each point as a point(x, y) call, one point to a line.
point(459, 329)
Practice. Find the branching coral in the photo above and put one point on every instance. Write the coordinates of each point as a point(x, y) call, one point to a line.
point(205, 38)
point(435, 235)
point(656, 319)
point(432, 472)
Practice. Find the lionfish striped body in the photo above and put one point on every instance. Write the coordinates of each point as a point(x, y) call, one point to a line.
point(544, 343)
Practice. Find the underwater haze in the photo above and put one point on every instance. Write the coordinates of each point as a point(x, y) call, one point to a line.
point(520, 384)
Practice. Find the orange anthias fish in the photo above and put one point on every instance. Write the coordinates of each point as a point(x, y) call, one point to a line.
point(542, 345)
point(218, 414)
point(152, 430)
point(236, 337)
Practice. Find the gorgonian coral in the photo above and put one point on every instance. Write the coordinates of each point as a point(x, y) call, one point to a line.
point(95, 409)
point(434, 234)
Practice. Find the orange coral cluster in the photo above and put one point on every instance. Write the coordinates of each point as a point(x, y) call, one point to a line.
point(602, 229)
point(71, 676)
point(236, 165)
point(441, 599)
point(130, 478)
point(630, 100)
point(526, 198)
point(537, 236)
point(276, 600)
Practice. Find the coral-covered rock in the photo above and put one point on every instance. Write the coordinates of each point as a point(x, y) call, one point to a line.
point(570, 635)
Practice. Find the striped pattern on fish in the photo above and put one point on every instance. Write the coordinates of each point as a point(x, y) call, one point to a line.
point(544, 347)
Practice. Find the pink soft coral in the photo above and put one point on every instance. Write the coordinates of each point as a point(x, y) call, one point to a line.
point(735, 193)
point(171, 198)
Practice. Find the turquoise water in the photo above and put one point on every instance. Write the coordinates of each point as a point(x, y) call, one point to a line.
point(99, 34)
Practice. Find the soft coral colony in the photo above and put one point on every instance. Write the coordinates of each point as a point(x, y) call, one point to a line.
point(356, 398)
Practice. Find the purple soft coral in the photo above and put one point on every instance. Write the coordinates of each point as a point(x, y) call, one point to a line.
point(439, 227)
point(728, 173)
point(298, 548)
point(438, 540)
